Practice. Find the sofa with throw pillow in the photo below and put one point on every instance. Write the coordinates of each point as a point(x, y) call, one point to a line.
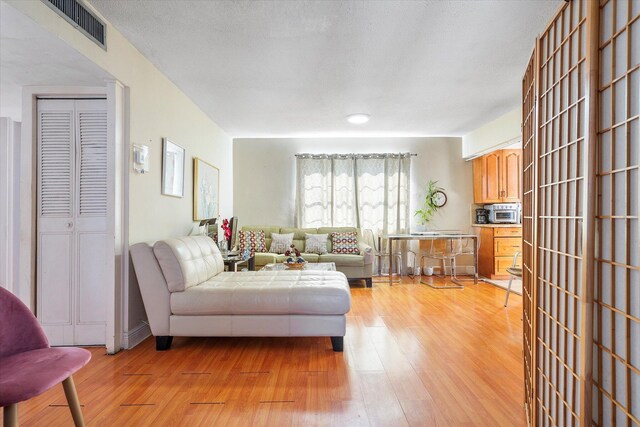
point(343, 246)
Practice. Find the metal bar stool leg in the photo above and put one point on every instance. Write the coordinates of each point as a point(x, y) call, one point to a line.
point(384, 277)
point(398, 265)
point(455, 285)
point(506, 300)
point(412, 273)
point(422, 258)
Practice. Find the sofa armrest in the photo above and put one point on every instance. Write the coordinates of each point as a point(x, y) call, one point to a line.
point(153, 288)
point(366, 251)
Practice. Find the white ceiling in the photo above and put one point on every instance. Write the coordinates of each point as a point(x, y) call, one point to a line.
point(297, 68)
point(30, 56)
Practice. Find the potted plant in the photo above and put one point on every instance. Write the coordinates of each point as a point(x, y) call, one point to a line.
point(431, 203)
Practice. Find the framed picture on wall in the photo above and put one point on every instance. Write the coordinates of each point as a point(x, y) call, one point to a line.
point(172, 169)
point(206, 190)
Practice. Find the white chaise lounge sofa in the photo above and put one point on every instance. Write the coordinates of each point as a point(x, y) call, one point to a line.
point(186, 292)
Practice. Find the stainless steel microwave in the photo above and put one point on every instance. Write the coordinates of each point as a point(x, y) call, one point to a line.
point(504, 213)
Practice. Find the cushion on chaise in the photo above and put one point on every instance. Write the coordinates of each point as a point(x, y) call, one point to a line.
point(266, 292)
point(188, 261)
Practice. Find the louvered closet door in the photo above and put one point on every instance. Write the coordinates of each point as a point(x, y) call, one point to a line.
point(74, 248)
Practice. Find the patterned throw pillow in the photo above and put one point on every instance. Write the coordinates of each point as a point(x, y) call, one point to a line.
point(252, 240)
point(315, 243)
point(280, 242)
point(345, 243)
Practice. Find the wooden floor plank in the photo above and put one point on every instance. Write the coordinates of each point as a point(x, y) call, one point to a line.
point(413, 356)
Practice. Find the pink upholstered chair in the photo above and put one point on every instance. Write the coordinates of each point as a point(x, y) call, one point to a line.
point(28, 366)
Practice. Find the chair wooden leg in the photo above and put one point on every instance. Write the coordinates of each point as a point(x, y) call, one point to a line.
point(10, 415)
point(73, 401)
point(506, 300)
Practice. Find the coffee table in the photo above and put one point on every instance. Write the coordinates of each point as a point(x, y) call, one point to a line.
point(233, 261)
point(320, 266)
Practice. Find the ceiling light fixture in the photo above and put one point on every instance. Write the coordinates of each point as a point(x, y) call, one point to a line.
point(358, 119)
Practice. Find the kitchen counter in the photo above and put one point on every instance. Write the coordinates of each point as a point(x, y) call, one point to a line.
point(498, 225)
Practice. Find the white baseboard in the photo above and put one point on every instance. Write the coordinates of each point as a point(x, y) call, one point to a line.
point(136, 335)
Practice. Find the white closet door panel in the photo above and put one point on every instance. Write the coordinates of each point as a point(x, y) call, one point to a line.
point(95, 250)
point(92, 278)
point(93, 224)
point(93, 334)
point(59, 335)
point(75, 255)
point(92, 180)
point(55, 277)
point(56, 158)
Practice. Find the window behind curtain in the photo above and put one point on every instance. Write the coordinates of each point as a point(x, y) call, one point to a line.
point(367, 191)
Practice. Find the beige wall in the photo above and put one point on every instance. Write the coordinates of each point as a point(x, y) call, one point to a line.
point(157, 109)
point(505, 130)
point(264, 175)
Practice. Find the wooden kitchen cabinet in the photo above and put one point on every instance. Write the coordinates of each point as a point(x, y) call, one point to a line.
point(511, 175)
point(498, 245)
point(497, 177)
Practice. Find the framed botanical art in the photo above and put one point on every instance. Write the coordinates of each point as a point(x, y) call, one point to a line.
point(206, 190)
point(172, 169)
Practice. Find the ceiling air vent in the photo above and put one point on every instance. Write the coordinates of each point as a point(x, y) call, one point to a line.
point(81, 18)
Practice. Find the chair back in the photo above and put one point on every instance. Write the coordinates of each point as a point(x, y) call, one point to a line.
point(438, 247)
point(456, 245)
point(467, 244)
point(19, 328)
point(515, 259)
point(448, 247)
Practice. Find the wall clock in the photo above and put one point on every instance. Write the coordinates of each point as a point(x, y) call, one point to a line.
point(439, 198)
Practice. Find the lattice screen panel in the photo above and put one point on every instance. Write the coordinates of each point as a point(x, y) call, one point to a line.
point(616, 384)
point(528, 290)
point(560, 184)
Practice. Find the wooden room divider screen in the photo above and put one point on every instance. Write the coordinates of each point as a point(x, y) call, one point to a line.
point(581, 234)
point(528, 184)
point(616, 335)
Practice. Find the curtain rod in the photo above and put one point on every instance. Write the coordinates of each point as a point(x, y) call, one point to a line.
point(351, 155)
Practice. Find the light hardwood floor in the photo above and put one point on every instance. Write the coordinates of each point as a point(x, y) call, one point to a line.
point(413, 356)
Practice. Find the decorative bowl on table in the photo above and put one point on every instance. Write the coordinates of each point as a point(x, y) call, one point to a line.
point(294, 261)
point(294, 265)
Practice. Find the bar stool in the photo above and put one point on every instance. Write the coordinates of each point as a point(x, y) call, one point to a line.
point(376, 244)
point(466, 249)
point(412, 274)
point(515, 272)
point(380, 255)
point(443, 250)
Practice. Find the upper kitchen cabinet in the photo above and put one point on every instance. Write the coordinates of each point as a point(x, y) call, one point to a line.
point(511, 175)
point(497, 177)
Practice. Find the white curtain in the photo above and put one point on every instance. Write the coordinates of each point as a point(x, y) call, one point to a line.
point(368, 191)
